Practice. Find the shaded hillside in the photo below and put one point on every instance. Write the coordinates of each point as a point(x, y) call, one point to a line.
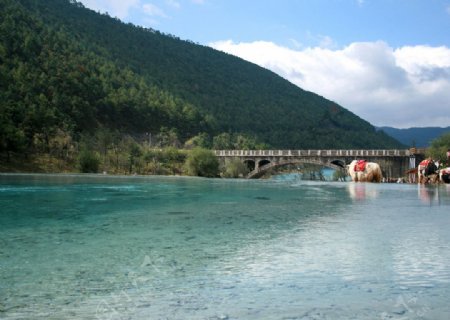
point(418, 137)
point(65, 68)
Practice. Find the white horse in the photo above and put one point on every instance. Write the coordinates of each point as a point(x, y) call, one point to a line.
point(364, 171)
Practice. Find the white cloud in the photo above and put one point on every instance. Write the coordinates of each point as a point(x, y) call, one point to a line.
point(321, 40)
point(153, 11)
point(198, 1)
point(297, 44)
point(173, 4)
point(327, 42)
point(404, 87)
point(115, 8)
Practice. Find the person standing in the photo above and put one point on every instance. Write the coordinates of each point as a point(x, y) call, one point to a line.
point(448, 157)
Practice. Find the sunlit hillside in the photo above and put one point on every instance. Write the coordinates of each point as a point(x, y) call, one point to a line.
point(69, 71)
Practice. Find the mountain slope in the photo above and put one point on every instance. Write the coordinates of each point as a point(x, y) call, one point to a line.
point(66, 66)
point(418, 137)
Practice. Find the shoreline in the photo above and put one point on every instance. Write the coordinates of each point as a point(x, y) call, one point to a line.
point(142, 176)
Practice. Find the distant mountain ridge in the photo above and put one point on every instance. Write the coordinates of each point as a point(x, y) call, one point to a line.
point(417, 137)
point(67, 71)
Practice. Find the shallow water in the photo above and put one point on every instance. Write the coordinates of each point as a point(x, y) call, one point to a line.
point(100, 247)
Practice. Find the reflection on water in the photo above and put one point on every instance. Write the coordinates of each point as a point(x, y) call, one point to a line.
point(430, 194)
point(362, 191)
point(92, 247)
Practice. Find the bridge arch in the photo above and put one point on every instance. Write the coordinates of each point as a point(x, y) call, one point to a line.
point(263, 162)
point(261, 170)
point(251, 164)
point(339, 163)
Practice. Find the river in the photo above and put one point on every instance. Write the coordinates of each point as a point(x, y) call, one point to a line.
point(105, 247)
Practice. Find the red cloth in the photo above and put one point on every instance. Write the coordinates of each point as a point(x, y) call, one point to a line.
point(424, 163)
point(360, 165)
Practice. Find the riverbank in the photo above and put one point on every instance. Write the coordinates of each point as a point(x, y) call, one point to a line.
point(36, 164)
point(165, 161)
point(168, 161)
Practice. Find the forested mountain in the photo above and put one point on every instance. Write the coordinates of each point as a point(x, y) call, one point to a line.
point(417, 137)
point(67, 71)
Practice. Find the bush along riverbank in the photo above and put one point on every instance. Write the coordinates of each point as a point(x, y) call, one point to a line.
point(125, 156)
point(164, 161)
point(112, 152)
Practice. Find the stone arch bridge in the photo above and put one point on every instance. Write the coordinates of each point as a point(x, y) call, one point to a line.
point(394, 163)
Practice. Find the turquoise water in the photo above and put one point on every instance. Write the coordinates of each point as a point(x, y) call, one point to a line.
point(100, 247)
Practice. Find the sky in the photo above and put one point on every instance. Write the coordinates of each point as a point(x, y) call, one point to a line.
point(387, 61)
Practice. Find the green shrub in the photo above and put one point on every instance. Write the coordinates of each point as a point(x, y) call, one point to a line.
point(88, 161)
point(235, 168)
point(202, 162)
point(171, 154)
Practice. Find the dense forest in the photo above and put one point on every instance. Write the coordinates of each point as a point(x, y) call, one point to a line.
point(71, 77)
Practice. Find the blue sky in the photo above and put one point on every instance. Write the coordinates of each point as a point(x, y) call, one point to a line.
point(385, 60)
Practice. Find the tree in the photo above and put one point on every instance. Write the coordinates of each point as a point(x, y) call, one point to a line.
point(201, 140)
point(203, 163)
point(88, 161)
point(104, 138)
point(235, 168)
point(244, 142)
point(439, 147)
point(168, 137)
point(134, 152)
point(61, 144)
point(223, 141)
point(12, 141)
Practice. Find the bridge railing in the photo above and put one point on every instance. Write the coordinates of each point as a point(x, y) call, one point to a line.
point(313, 153)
